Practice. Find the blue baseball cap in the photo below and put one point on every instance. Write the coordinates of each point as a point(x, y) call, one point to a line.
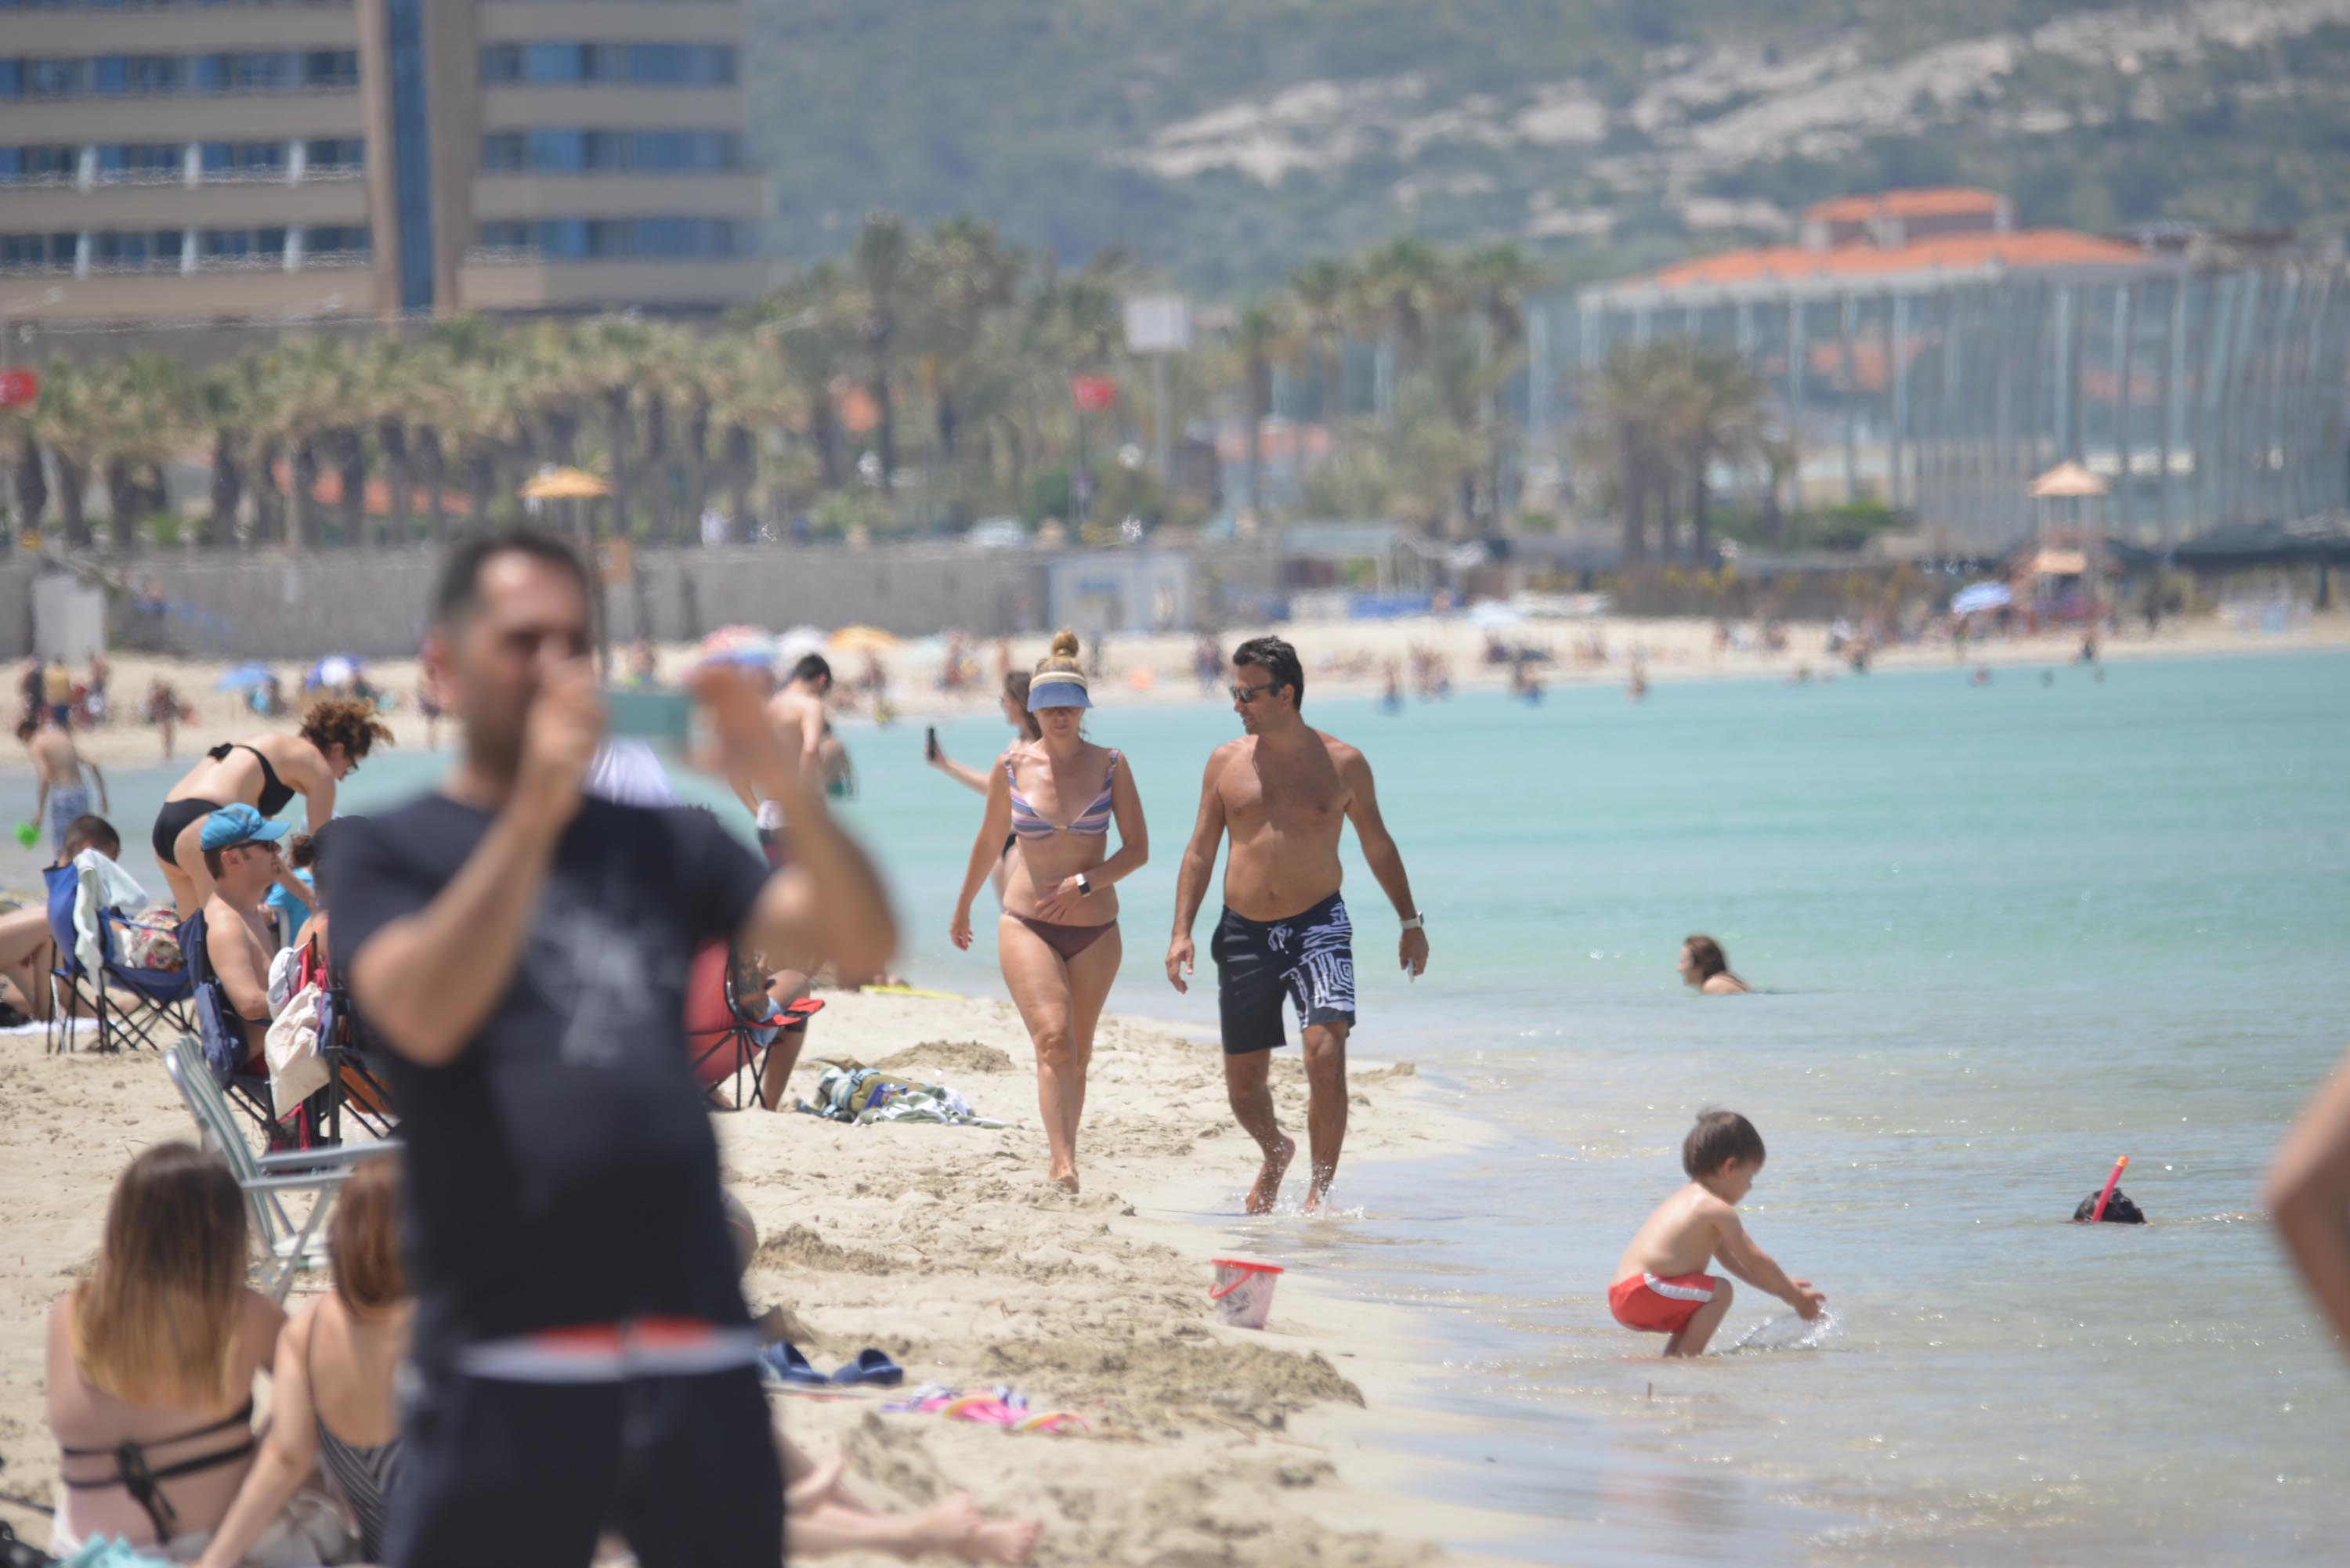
point(234, 824)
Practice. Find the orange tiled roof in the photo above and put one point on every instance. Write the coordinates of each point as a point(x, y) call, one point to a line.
point(2024, 249)
point(1937, 202)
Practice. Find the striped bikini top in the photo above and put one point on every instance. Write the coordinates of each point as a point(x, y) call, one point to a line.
point(1091, 823)
point(366, 1475)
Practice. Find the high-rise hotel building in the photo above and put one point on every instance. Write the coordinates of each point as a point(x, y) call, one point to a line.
point(281, 159)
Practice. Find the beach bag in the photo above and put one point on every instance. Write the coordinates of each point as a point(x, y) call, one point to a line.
point(150, 940)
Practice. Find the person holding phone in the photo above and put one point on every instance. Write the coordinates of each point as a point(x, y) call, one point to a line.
point(1015, 706)
point(1057, 939)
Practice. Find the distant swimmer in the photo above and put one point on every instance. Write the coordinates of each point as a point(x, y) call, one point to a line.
point(1981, 676)
point(1636, 687)
point(1284, 791)
point(1660, 1284)
point(1705, 967)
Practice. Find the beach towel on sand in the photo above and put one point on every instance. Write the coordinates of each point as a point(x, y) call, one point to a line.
point(865, 1094)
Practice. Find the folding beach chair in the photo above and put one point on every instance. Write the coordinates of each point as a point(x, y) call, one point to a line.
point(265, 1179)
point(138, 1006)
point(220, 1035)
point(355, 1083)
point(724, 1044)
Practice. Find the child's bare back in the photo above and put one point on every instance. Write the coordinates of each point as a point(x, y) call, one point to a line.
point(1660, 1284)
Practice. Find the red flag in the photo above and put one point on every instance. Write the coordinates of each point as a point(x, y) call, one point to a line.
point(19, 387)
point(1092, 394)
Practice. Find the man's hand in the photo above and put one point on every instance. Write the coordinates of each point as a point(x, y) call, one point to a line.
point(559, 737)
point(741, 735)
point(1806, 1300)
point(1413, 950)
point(1178, 962)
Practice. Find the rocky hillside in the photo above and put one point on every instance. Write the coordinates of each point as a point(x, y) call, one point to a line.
point(1226, 139)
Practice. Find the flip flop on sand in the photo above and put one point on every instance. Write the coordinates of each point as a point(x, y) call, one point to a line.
point(781, 1363)
point(873, 1367)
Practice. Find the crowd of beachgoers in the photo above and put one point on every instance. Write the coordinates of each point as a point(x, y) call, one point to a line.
point(511, 1043)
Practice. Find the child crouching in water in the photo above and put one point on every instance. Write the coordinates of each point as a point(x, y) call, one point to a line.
point(1661, 1285)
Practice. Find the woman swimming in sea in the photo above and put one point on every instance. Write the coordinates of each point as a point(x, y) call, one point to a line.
point(1705, 967)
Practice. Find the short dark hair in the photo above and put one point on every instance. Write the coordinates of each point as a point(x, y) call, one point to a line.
point(214, 865)
point(1718, 1138)
point(92, 831)
point(459, 591)
point(811, 667)
point(1276, 659)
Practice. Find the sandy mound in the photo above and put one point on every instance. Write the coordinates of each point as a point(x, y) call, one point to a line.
point(946, 1057)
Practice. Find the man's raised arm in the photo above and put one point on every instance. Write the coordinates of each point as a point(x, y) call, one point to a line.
point(426, 981)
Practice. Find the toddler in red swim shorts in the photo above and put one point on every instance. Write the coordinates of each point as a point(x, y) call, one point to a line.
point(1661, 1285)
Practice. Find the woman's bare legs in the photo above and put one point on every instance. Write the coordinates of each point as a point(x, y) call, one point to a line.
point(1038, 980)
point(1091, 974)
point(24, 948)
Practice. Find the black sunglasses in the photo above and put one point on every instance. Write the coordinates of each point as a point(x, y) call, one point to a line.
point(1245, 695)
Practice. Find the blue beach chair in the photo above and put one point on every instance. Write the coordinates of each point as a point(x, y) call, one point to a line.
point(136, 1005)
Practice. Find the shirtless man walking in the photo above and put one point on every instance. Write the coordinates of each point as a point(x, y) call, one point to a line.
point(64, 796)
point(1283, 792)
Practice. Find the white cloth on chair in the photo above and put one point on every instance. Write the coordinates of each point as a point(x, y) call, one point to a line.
point(99, 885)
point(295, 1072)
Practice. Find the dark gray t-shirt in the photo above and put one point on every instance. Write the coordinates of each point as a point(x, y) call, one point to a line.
point(562, 1171)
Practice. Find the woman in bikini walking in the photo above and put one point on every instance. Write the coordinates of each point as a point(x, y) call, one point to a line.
point(1057, 938)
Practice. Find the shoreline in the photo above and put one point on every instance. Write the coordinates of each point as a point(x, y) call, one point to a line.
point(1342, 659)
point(943, 1246)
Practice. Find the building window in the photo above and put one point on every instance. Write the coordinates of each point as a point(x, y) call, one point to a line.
point(336, 241)
point(243, 159)
point(561, 64)
point(37, 252)
point(608, 152)
point(163, 76)
point(329, 155)
point(619, 239)
point(49, 165)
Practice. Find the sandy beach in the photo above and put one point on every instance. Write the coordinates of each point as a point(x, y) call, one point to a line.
point(940, 1245)
point(1343, 658)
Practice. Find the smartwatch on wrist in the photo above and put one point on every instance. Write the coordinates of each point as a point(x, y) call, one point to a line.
point(1416, 923)
point(1084, 888)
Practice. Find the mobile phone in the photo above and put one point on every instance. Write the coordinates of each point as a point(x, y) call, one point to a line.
point(665, 718)
point(931, 744)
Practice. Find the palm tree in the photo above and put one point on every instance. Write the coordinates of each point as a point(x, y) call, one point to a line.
point(1402, 286)
point(1500, 278)
point(1322, 290)
point(887, 271)
point(62, 421)
point(221, 403)
point(1627, 434)
point(973, 275)
point(1265, 335)
point(1717, 412)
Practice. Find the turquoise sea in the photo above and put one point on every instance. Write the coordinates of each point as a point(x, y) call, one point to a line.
point(2006, 934)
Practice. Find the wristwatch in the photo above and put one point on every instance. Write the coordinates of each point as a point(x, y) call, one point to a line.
point(1084, 888)
point(1416, 923)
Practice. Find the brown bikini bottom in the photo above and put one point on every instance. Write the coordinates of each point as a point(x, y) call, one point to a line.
point(1068, 940)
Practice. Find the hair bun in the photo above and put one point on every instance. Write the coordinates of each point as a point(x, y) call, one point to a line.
point(1065, 644)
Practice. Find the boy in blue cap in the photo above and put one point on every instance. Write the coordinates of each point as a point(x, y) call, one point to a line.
point(241, 856)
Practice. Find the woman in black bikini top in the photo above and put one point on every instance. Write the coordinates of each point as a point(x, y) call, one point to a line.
point(161, 1339)
point(264, 773)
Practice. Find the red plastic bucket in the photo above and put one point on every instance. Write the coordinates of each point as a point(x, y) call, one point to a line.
point(1243, 1291)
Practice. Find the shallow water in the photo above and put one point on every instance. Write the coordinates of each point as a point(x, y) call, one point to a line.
point(2008, 934)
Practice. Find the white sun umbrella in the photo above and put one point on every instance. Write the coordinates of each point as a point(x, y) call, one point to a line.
point(797, 644)
point(1495, 614)
point(1981, 597)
